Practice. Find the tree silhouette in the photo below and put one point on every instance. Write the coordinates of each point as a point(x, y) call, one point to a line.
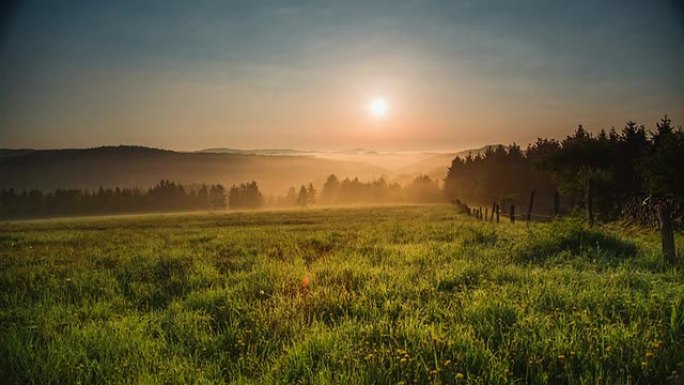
point(331, 189)
point(217, 197)
point(311, 194)
point(245, 196)
point(619, 166)
point(165, 196)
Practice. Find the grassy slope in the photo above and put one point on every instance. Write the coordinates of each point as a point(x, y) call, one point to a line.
point(395, 295)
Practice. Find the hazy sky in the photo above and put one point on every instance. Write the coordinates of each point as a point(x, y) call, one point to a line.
point(188, 74)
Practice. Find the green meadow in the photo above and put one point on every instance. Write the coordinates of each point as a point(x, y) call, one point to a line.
point(387, 295)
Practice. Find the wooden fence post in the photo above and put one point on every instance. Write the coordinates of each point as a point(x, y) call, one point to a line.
point(590, 201)
point(556, 204)
point(667, 233)
point(479, 214)
point(529, 208)
point(512, 213)
point(486, 215)
point(497, 213)
point(493, 208)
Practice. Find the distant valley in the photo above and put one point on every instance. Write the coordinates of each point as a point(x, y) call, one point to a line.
point(274, 169)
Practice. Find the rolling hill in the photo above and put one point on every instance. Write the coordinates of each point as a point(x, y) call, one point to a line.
point(274, 169)
point(132, 166)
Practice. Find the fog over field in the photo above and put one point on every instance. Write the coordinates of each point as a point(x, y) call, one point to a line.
point(274, 170)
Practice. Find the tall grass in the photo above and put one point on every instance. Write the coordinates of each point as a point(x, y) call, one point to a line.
point(393, 295)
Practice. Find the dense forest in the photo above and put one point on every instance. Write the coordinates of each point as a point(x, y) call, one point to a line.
point(245, 196)
point(614, 168)
point(165, 196)
point(348, 191)
point(421, 190)
point(171, 196)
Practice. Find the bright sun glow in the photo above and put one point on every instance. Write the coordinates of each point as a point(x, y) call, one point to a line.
point(378, 107)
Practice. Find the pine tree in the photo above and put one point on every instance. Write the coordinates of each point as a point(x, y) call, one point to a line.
point(310, 195)
point(302, 197)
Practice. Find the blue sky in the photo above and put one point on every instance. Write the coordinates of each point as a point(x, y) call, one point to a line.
point(193, 74)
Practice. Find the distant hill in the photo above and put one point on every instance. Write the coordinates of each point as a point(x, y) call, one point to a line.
point(288, 151)
point(4, 153)
point(267, 151)
point(358, 151)
point(131, 166)
point(274, 169)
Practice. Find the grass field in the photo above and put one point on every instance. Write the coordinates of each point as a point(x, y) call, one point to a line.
point(392, 295)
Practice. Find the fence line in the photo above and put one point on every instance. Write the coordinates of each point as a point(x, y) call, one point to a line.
point(483, 213)
point(496, 212)
point(664, 212)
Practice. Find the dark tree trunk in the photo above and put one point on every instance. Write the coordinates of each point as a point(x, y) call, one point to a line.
point(590, 202)
point(529, 208)
point(556, 204)
point(667, 233)
point(512, 213)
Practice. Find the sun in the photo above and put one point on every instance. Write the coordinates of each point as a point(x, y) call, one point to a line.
point(378, 107)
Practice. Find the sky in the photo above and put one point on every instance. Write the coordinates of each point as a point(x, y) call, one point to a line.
point(456, 74)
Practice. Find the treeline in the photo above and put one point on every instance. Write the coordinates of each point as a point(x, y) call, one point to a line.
point(353, 191)
point(245, 196)
point(613, 168)
point(421, 190)
point(502, 174)
point(335, 192)
point(170, 196)
point(165, 196)
point(304, 197)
